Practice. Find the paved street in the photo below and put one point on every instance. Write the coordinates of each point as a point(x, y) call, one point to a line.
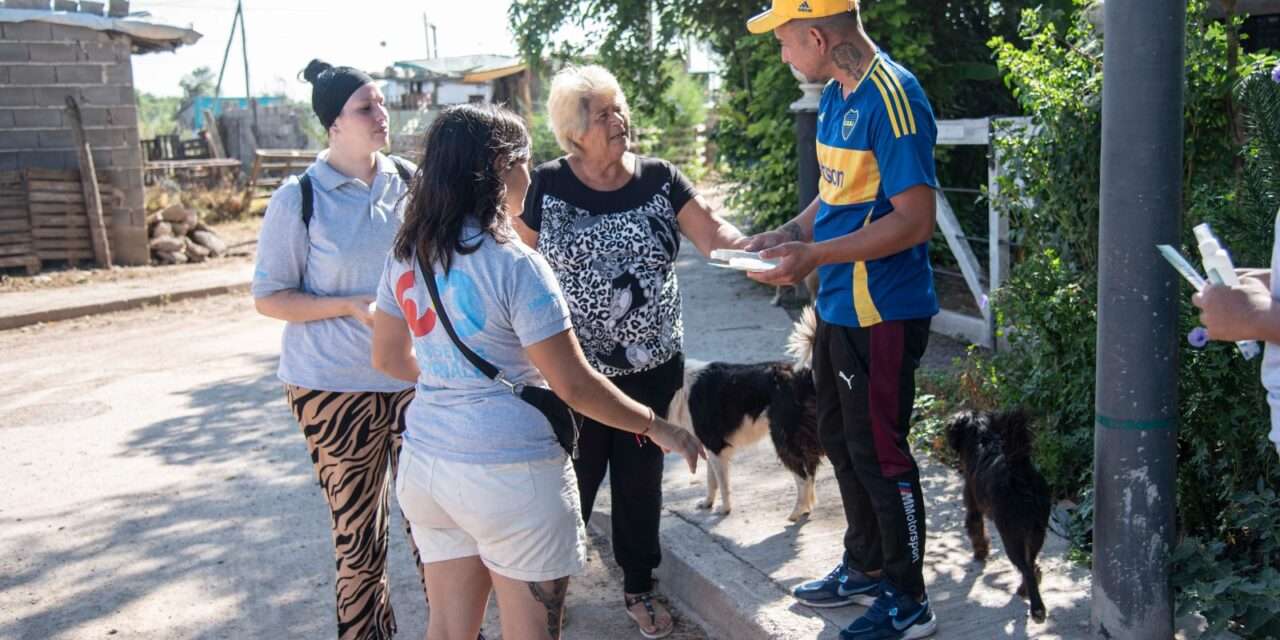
point(154, 486)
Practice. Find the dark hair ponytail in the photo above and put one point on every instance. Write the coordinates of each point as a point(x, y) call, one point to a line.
point(467, 150)
point(314, 69)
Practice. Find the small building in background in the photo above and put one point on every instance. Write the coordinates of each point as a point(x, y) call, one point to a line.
point(441, 82)
point(50, 51)
point(417, 89)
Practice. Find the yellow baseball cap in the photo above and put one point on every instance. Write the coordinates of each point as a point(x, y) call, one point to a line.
point(786, 10)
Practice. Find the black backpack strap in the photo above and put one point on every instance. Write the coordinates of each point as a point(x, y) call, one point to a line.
point(406, 173)
point(308, 199)
point(483, 365)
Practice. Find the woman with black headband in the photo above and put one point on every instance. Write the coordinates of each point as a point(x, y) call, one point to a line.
point(320, 254)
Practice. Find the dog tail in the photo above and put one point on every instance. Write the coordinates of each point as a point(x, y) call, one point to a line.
point(803, 335)
point(1015, 434)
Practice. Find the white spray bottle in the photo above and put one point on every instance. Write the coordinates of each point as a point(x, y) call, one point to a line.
point(1218, 268)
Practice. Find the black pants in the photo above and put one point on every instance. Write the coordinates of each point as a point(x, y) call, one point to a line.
point(865, 379)
point(635, 475)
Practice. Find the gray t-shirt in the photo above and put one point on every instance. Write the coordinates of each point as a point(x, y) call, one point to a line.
point(500, 299)
point(353, 226)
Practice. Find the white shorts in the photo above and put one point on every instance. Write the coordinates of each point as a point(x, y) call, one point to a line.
point(524, 520)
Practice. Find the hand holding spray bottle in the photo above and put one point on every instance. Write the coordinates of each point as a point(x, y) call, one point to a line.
point(1218, 268)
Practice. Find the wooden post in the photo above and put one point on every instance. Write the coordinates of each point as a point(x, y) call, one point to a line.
point(89, 184)
point(215, 142)
point(526, 93)
point(215, 139)
point(252, 185)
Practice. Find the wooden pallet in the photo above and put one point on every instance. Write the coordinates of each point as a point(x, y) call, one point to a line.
point(16, 242)
point(271, 167)
point(43, 217)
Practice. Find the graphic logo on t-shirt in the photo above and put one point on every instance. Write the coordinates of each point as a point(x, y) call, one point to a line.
point(850, 121)
point(461, 299)
point(462, 302)
point(418, 325)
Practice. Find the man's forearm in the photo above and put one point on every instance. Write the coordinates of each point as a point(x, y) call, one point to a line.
point(1265, 324)
point(800, 228)
point(887, 236)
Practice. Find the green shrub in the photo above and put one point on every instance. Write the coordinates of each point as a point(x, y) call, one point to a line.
point(544, 143)
point(756, 133)
point(1227, 565)
point(675, 134)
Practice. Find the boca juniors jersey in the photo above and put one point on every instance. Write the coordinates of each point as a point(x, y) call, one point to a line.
point(873, 145)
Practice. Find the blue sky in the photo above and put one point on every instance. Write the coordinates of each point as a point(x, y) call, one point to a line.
point(285, 34)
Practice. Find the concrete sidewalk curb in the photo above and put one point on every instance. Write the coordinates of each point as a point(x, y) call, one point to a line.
point(722, 593)
point(19, 320)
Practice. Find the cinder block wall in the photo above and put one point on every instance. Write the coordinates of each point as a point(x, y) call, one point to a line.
point(40, 65)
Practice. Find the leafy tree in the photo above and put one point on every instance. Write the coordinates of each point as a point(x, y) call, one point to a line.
point(1225, 566)
point(200, 82)
point(942, 42)
point(157, 115)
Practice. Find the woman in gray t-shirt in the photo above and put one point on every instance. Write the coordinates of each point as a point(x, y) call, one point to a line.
point(318, 271)
point(492, 497)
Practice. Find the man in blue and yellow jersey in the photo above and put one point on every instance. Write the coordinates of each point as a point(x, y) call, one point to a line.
point(867, 233)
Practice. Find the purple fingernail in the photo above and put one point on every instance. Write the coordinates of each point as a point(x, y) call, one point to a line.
point(1198, 337)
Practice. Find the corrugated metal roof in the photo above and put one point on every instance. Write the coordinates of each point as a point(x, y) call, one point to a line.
point(146, 36)
point(456, 67)
point(486, 75)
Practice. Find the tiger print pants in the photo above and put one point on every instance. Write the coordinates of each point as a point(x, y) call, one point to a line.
point(354, 440)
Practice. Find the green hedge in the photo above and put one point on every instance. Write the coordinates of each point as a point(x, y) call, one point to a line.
point(1226, 565)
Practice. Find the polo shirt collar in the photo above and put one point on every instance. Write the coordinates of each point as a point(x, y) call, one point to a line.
point(328, 178)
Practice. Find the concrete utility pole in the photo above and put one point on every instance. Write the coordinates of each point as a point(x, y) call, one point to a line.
point(1135, 430)
point(806, 110)
point(428, 30)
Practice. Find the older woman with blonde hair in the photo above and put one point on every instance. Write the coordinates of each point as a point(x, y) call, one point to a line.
point(609, 223)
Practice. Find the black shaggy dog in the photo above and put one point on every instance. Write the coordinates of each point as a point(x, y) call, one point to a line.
point(732, 406)
point(1001, 483)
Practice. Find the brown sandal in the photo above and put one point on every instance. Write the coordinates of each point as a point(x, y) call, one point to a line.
point(647, 600)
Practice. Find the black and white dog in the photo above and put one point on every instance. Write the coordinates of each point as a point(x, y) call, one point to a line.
point(732, 406)
point(1001, 483)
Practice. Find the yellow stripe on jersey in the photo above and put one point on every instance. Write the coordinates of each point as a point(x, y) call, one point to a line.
point(875, 62)
point(847, 176)
point(863, 305)
point(888, 105)
point(902, 93)
point(899, 100)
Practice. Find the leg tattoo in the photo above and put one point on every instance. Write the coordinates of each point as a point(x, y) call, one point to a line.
point(551, 596)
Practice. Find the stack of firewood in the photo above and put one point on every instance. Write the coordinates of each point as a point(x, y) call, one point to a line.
point(178, 237)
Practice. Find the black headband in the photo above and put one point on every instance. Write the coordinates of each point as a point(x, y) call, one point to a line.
point(331, 87)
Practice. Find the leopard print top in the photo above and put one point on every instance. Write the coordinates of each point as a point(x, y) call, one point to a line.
point(614, 255)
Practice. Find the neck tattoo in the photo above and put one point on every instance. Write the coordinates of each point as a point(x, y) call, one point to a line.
point(849, 59)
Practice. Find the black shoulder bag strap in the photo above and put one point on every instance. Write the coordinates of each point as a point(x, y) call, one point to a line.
point(309, 194)
point(565, 423)
point(308, 199)
point(483, 365)
point(403, 169)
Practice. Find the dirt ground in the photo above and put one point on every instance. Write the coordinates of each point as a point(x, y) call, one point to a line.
point(241, 237)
